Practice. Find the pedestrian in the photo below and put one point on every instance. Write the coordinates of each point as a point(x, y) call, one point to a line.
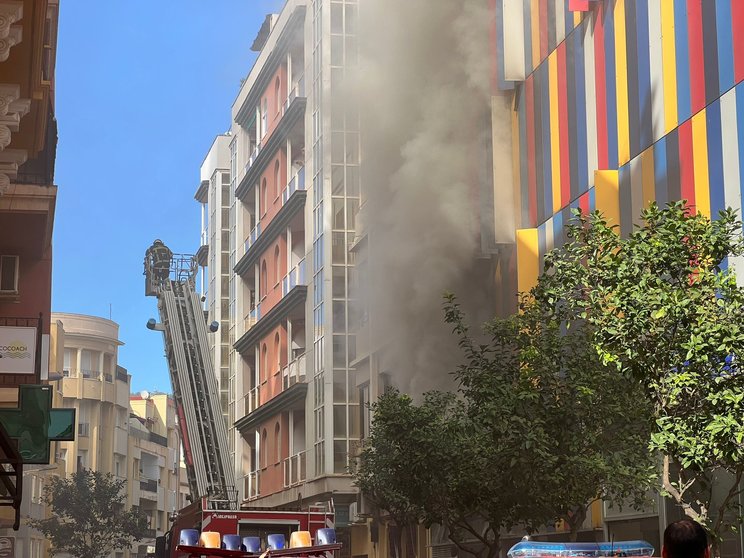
point(685, 539)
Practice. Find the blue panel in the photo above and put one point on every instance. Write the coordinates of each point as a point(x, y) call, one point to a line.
point(682, 49)
point(609, 29)
point(524, 189)
point(725, 45)
point(644, 75)
point(527, 17)
point(547, 161)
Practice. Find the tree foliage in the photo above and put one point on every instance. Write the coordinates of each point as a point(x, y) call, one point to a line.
point(538, 431)
point(665, 309)
point(88, 517)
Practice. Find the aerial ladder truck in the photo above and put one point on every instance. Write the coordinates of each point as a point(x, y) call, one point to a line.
point(171, 278)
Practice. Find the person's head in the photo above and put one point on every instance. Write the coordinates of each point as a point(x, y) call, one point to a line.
point(685, 539)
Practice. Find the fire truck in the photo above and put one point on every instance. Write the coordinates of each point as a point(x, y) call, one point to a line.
point(171, 279)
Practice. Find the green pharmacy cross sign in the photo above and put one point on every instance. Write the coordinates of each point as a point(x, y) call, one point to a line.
point(35, 424)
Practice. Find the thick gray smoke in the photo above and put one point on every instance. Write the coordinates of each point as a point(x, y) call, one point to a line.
point(425, 94)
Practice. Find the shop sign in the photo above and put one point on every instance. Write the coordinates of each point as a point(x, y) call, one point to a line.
point(17, 351)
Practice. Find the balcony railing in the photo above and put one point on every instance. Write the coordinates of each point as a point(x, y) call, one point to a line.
point(84, 429)
point(253, 316)
point(295, 469)
point(253, 399)
point(253, 157)
point(252, 237)
point(297, 183)
point(121, 375)
point(251, 487)
point(296, 276)
point(148, 485)
point(294, 372)
point(297, 91)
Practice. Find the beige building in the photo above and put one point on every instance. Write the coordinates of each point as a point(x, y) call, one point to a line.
point(137, 443)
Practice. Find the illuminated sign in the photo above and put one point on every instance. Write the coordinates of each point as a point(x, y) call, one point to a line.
point(17, 350)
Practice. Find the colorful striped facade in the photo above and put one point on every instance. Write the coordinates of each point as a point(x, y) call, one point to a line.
point(617, 103)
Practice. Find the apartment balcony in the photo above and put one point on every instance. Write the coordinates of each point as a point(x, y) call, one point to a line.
point(252, 237)
point(253, 399)
point(297, 183)
point(294, 372)
point(295, 469)
point(253, 316)
point(295, 277)
point(293, 111)
point(293, 200)
point(148, 487)
point(251, 485)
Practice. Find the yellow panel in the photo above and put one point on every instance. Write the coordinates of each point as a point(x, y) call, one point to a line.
point(647, 169)
point(700, 158)
point(597, 515)
point(621, 80)
point(669, 63)
point(607, 195)
point(577, 16)
point(535, 25)
point(555, 139)
point(528, 259)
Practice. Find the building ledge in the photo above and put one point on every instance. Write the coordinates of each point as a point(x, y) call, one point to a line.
point(294, 113)
point(283, 217)
point(274, 316)
point(202, 255)
point(291, 398)
point(202, 192)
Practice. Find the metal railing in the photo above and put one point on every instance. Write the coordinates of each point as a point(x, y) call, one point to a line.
point(296, 276)
point(297, 91)
point(84, 429)
point(148, 485)
point(253, 157)
point(297, 183)
point(253, 316)
point(251, 486)
point(121, 375)
point(252, 399)
point(295, 469)
point(252, 237)
point(294, 372)
point(108, 377)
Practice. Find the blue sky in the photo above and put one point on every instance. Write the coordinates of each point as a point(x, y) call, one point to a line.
point(143, 86)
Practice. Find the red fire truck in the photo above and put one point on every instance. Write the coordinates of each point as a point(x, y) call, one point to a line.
point(171, 279)
point(255, 522)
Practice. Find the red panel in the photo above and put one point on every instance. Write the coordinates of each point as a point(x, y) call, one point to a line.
point(543, 9)
point(601, 91)
point(686, 165)
point(584, 202)
point(697, 59)
point(737, 23)
point(578, 5)
point(531, 178)
point(564, 141)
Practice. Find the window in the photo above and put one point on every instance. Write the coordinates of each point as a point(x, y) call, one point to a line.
point(277, 101)
point(264, 279)
point(265, 360)
point(276, 179)
point(8, 274)
point(277, 353)
point(277, 444)
point(276, 264)
point(264, 197)
point(264, 437)
point(264, 115)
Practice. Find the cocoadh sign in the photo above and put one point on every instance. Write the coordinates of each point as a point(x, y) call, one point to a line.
point(17, 350)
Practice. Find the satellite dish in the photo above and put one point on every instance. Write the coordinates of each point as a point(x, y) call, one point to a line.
point(144, 394)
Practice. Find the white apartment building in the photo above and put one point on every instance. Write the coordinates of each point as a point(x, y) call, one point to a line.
point(278, 241)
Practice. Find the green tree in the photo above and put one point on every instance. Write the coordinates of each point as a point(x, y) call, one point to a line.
point(88, 517)
point(665, 309)
point(538, 431)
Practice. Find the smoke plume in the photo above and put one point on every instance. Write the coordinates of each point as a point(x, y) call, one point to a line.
point(424, 88)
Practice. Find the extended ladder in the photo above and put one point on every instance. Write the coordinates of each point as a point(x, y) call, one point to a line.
point(195, 390)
